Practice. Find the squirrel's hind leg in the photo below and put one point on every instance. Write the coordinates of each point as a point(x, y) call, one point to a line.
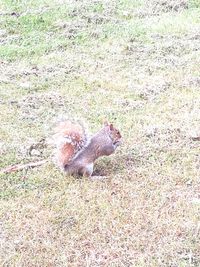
point(87, 170)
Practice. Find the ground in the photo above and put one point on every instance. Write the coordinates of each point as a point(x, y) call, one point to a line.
point(135, 63)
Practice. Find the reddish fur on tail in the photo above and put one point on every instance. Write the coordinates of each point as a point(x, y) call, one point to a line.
point(69, 139)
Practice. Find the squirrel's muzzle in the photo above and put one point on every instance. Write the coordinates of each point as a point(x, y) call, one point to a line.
point(117, 142)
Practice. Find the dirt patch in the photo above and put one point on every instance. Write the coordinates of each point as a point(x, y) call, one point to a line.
point(164, 45)
point(167, 6)
point(171, 138)
point(96, 19)
point(129, 104)
point(73, 28)
point(150, 88)
point(29, 76)
point(165, 135)
point(34, 150)
point(150, 91)
point(191, 81)
point(40, 104)
point(164, 52)
point(157, 7)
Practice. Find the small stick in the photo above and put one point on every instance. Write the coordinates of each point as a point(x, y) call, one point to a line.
point(19, 167)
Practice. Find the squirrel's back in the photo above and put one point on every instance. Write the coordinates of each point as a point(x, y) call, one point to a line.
point(69, 139)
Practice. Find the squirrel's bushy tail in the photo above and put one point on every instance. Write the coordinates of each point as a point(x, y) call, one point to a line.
point(69, 139)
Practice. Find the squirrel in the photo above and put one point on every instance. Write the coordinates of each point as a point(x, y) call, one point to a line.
point(75, 152)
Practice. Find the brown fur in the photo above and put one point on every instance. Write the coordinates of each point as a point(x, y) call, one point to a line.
point(69, 138)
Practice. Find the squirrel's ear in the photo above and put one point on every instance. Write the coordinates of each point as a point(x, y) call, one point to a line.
point(108, 125)
point(105, 123)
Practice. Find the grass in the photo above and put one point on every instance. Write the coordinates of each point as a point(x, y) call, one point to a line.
point(136, 64)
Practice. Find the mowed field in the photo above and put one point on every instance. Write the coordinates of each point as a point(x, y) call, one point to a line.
point(135, 63)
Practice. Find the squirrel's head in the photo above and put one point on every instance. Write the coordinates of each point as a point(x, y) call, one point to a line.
point(114, 133)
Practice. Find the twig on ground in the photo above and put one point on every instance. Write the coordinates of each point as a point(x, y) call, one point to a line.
point(19, 167)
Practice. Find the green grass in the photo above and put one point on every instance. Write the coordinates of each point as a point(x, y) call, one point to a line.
point(135, 64)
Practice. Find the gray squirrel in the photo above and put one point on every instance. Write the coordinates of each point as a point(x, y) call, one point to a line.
point(75, 152)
